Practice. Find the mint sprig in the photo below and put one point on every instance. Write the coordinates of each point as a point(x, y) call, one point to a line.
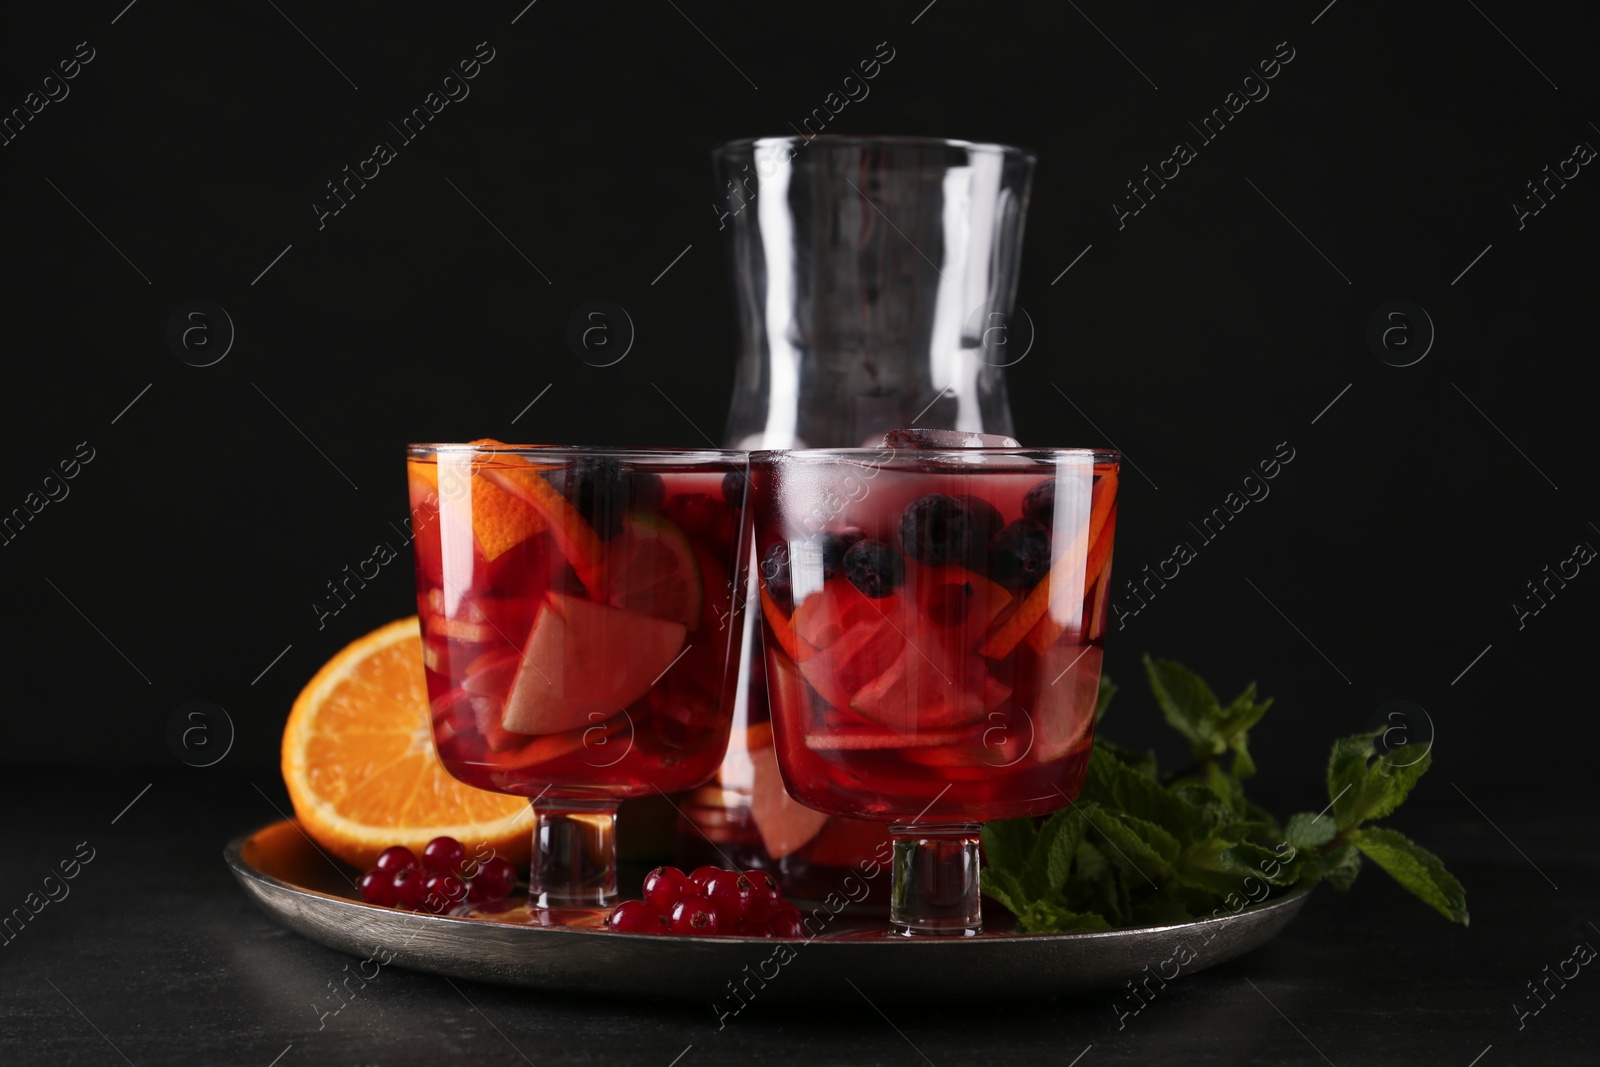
point(1138, 847)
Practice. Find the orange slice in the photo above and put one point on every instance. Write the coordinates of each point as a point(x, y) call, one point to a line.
point(651, 570)
point(500, 520)
point(572, 533)
point(359, 763)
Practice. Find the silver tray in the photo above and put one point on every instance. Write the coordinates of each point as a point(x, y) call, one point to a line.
point(283, 873)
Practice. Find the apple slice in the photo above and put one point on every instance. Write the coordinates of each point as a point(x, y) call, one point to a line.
point(785, 824)
point(861, 654)
point(584, 658)
point(1063, 712)
point(838, 608)
point(930, 687)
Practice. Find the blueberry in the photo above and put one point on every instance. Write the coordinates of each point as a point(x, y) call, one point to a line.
point(986, 522)
point(937, 529)
point(775, 575)
point(1019, 555)
point(648, 491)
point(874, 568)
point(1040, 503)
point(834, 545)
point(734, 485)
point(599, 489)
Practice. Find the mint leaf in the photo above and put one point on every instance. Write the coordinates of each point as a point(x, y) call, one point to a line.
point(1243, 712)
point(1261, 822)
point(1226, 787)
point(1007, 844)
point(1389, 783)
point(1135, 849)
point(1108, 689)
point(1235, 867)
point(1057, 845)
point(1143, 845)
point(1187, 703)
point(1244, 765)
point(1144, 763)
point(1340, 867)
point(1347, 775)
point(1414, 867)
point(1306, 830)
point(1048, 917)
point(1166, 907)
point(1362, 788)
point(1114, 784)
point(1002, 886)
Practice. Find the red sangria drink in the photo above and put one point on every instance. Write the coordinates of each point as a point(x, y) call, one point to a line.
point(933, 620)
point(580, 632)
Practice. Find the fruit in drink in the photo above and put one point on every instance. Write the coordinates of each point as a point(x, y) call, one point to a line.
point(594, 657)
point(950, 669)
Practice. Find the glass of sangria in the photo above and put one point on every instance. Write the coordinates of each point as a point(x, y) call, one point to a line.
point(580, 631)
point(932, 620)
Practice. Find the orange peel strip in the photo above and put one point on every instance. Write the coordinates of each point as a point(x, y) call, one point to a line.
point(758, 736)
point(1048, 631)
point(1003, 641)
point(787, 638)
point(573, 535)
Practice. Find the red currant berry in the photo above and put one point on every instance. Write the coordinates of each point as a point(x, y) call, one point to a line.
point(637, 917)
point(785, 921)
point(409, 887)
point(395, 857)
point(749, 928)
point(444, 855)
point(698, 878)
point(763, 897)
point(377, 887)
point(727, 891)
point(694, 915)
point(493, 881)
point(443, 892)
point(664, 887)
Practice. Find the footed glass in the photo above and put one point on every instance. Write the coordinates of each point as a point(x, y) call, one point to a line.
point(932, 622)
point(581, 630)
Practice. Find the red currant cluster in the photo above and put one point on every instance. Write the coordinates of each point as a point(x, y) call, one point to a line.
point(709, 901)
point(439, 881)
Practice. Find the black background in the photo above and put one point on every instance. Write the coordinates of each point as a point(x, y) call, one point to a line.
point(1223, 319)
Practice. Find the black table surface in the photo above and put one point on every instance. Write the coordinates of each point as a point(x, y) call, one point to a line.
point(156, 956)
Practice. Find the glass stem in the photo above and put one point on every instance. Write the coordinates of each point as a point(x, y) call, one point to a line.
point(936, 880)
point(574, 854)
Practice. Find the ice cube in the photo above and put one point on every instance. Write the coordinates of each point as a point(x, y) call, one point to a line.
point(919, 438)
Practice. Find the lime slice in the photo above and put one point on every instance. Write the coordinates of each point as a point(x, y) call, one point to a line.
point(650, 569)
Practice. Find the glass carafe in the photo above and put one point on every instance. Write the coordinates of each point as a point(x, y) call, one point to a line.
point(875, 282)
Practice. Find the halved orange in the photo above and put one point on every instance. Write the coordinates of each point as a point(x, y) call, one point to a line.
point(359, 763)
